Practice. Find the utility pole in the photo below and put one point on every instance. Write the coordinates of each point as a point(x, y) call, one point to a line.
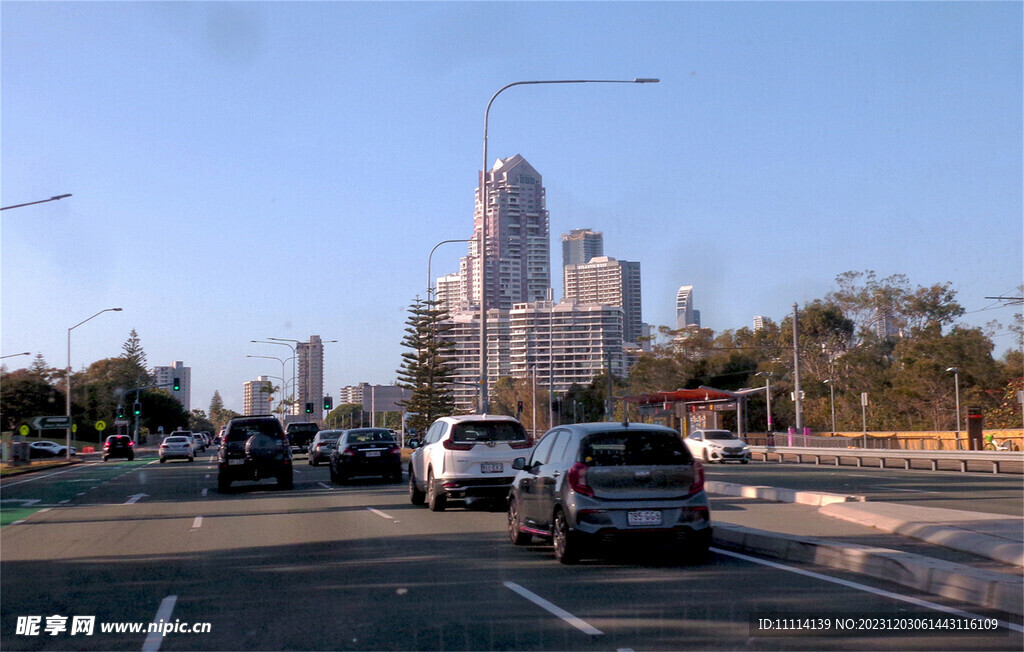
point(796, 376)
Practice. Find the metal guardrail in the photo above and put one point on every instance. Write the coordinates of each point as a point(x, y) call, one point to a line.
point(998, 460)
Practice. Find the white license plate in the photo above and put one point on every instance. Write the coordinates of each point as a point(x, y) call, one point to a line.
point(492, 467)
point(373, 453)
point(233, 462)
point(644, 517)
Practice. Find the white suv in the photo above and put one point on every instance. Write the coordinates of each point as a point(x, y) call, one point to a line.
point(466, 456)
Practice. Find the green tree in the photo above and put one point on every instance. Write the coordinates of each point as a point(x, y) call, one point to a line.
point(134, 354)
point(25, 394)
point(198, 422)
point(425, 368)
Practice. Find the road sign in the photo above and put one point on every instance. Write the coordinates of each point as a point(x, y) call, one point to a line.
point(101, 425)
point(51, 423)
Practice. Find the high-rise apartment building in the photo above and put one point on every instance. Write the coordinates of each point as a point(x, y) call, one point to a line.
point(166, 376)
point(518, 238)
point(686, 316)
point(256, 397)
point(758, 323)
point(310, 377)
point(450, 293)
point(580, 245)
point(605, 280)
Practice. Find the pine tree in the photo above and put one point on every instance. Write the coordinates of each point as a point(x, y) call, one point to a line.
point(216, 412)
point(425, 367)
point(133, 350)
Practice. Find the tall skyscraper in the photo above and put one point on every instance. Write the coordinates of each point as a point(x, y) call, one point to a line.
point(166, 376)
point(611, 282)
point(256, 399)
point(310, 380)
point(580, 245)
point(686, 316)
point(518, 238)
point(758, 322)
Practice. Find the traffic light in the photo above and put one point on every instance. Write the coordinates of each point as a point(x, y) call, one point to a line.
point(137, 408)
point(309, 408)
point(519, 408)
point(328, 403)
point(120, 411)
point(177, 384)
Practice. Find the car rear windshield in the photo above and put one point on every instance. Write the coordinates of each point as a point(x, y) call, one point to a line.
point(634, 449)
point(488, 431)
point(329, 436)
point(303, 427)
point(243, 430)
point(176, 440)
point(718, 434)
point(370, 436)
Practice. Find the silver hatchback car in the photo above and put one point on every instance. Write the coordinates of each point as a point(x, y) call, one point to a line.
point(596, 483)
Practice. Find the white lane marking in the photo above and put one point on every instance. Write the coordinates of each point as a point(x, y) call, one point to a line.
point(25, 502)
point(163, 615)
point(867, 589)
point(206, 477)
point(65, 502)
point(19, 522)
point(578, 623)
point(48, 475)
point(44, 510)
point(134, 498)
point(198, 523)
point(380, 513)
point(325, 486)
point(205, 491)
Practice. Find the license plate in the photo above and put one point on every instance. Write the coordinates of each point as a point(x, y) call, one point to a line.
point(492, 467)
point(233, 462)
point(373, 453)
point(644, 517)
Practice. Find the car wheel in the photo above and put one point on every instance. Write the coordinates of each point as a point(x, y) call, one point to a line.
point(566, 544)
point(163, 459)
point(223, 484)
point(190, 459)
point(744, 460)
point(515, 535)
point(416, 497)
point(435, 501)
point(286, 481)
point(105, 458)
point(698, 550)
point(334, 473)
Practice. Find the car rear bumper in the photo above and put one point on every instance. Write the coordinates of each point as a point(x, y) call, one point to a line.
point(383, 467)
point(459, 488)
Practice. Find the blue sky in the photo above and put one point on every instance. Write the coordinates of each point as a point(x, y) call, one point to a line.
point(252, 170)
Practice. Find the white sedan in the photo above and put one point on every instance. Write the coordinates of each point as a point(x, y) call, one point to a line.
point(717, 446)
point(48, 449)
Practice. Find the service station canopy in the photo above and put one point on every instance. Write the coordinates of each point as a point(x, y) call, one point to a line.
point(700, 398)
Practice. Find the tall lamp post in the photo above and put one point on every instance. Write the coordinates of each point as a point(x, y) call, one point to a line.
point(295, 382)
point(767, 396)
point(14, 355)
point(430, 280)
point(956, 382)
point(67, 377)
point(832, 401)
point(483, 215)
point(41, 201)
point(283, 382)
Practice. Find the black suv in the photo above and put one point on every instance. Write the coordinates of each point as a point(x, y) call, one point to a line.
point(300, 434)
point(118, 446)
point(254, 448)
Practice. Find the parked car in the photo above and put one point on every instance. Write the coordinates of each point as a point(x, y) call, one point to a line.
point(465, 457)
point(322, 446)
point(366, 451)
point(48, 449)
point(300, 434)
point(118, 446)
point(177, 446)
point(590, 484)
point(254, 448)
point(718, 446)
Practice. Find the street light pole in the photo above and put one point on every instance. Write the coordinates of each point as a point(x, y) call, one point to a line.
point(482, 253)
point(283, 383)
point(429, 278)
point(67, 376)
point(956, 381)
point(295, 382)
point(14, 355)
point(768, 396)
point(41, 201)
point(832, 401)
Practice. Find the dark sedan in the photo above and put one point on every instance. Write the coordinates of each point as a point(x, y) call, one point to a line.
point(322, 446)
point(366, 452)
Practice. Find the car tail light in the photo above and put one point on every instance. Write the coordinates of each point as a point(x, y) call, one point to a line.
point(106, 444)
point(698, 477)
point(578, 479)
point(130, 443)
point(349, 452)
point(163, 445)
point(395, 450)
point(452, 446)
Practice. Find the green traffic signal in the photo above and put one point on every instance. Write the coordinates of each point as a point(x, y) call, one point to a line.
point(137, 409)
point(177, 384)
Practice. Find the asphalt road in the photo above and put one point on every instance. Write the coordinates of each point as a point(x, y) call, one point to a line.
point(974, 492)
point(358, 567)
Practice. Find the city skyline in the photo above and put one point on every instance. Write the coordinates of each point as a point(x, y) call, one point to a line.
point(269, 146)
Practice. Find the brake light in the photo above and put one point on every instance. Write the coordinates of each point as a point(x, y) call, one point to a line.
point(698, 477)
point(349, 452)
point(452, 446)
point(130, 443)
point(578, 479)
point(395, 450)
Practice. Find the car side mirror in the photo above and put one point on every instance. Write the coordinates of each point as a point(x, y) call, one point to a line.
point(519, 463)
point(414, 443)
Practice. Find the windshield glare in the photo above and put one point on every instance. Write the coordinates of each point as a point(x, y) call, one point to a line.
point(633, 449)
point(486, 431)
point(718, 434)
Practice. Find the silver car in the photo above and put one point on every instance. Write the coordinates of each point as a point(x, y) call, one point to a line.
point(177, 447)
point(595, 483)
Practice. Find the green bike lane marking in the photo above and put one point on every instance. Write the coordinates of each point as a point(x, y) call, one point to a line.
point(28, 500)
